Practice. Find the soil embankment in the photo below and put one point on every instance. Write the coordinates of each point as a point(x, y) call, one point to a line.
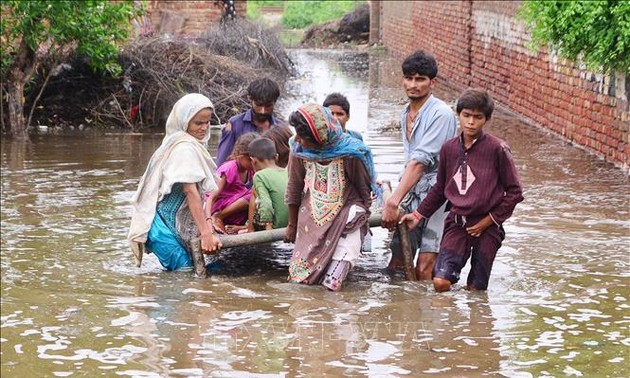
point(353, 28)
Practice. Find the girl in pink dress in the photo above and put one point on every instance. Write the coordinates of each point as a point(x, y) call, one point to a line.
point(229, 203)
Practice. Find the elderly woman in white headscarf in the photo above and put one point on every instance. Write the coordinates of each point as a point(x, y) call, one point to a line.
point(168, 217)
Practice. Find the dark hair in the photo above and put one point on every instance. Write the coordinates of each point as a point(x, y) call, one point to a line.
point(263, 91)
point(280, 136)
point(339, 100)
point(302, 129)
point(420, 63)
point(242, 144)
point(262, 148)
point(475, 99)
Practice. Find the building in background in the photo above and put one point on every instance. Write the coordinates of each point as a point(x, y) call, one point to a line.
point(187, 18)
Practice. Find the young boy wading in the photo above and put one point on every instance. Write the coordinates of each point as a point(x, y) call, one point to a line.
point(478, 177)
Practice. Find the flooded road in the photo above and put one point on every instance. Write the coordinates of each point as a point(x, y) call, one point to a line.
point(73, 303)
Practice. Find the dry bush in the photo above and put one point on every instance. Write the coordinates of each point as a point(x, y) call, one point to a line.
point(158, 71)
point(249, 42)
point(219, 65)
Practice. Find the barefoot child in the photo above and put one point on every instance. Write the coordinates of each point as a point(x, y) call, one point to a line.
point(228, 204)
point(477, 176)
point(267, 209)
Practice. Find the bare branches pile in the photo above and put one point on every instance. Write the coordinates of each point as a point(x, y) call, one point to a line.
point(158, 71)
point(249, 42)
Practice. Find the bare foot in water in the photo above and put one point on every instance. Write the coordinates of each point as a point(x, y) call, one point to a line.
point(395, 265)
point(232, 229)
point(218, 225)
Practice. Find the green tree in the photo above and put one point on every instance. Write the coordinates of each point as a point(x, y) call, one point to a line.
point(594, 32)
point(34, 31)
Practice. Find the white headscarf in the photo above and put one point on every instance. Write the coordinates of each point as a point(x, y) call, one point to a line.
point(181, 158)
point(184, 110)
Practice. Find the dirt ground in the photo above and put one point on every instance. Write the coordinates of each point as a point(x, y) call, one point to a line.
point(352, 29)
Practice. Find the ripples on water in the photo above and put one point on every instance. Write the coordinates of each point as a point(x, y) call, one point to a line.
point(73, 304)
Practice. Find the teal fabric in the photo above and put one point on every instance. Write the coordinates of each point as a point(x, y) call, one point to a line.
point(163, 239)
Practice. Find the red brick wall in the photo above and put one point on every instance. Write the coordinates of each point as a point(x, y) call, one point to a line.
point(438, 27)
point(482, 44)
point(188, 18)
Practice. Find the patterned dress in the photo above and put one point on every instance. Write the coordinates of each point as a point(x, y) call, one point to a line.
point(325, 194)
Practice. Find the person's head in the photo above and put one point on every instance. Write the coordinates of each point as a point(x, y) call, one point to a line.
point(419, 75)
point(263, 93)
point(192, 114)
point(420, 63)
point(280, 136)
point(339, 107)
point(314, 126)
point(240, 152)
point(263, 153)
point(474, 108)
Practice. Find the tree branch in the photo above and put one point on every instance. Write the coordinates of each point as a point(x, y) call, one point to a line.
point(122, 112)
point(39, 95)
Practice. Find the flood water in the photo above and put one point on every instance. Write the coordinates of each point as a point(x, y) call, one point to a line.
point(74, 304)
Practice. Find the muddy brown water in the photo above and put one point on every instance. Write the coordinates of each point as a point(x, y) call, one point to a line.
point(73, 304)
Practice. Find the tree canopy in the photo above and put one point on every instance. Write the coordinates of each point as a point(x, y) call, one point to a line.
point(596, 33)
point(34, 31)
point(94, 28)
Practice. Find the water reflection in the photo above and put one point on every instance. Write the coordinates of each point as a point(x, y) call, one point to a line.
point(317, 77)
point(74, 304)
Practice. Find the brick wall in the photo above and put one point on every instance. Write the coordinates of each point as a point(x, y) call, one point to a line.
point(482, 44)
point(188, 18)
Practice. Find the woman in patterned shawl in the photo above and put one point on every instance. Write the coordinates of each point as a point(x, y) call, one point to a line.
point(167, 207)
point(331, 176)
